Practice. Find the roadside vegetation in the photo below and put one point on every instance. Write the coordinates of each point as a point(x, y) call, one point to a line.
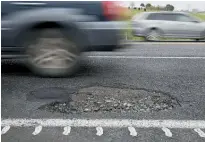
point(199, 15)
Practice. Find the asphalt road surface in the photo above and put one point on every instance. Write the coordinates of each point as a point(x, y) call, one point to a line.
point(144, 92)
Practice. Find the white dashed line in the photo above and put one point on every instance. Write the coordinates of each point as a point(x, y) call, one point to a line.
point(99, 131)
point(200, 132)
point(5, 130)
point(144, 57)
point(119, 123)
point(67, 130)
point(167, 132)
point(132, 131)
point(37, 130)
point(197, 125)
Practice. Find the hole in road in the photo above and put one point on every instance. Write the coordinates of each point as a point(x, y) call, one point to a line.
point(106, 99)
point(50, 94)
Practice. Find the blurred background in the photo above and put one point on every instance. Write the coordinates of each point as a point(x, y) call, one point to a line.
point(194, 8)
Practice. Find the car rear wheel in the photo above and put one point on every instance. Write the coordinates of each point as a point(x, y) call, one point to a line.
point(51, 53)
point(199, 40)
point(153, 35)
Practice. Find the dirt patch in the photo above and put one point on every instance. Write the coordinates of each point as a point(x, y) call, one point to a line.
point(106, 99)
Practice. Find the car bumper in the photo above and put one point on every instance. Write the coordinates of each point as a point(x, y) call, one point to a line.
point(138, 32)
point(103, 35)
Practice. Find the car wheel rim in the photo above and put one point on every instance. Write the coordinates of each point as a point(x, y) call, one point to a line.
point(52, 53)
point(153, 36)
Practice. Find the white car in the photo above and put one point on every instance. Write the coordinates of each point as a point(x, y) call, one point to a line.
point(153, 25)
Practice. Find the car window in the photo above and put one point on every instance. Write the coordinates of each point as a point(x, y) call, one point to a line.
point(161, 16)
point(183, 18)
point(170, 17)
point(154, 16)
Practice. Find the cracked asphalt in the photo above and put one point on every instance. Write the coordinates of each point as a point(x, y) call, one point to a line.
point(110, 80)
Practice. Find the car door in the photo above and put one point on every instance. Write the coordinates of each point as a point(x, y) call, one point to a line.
point(169, 26)
point(189, 26)
point(165, 22)
point(8, 8)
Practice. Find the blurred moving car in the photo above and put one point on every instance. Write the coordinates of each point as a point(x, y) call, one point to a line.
point(52, 34)
point(155, 25)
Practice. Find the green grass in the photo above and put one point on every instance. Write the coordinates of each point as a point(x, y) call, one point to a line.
point(128, 33)
point(199, 15)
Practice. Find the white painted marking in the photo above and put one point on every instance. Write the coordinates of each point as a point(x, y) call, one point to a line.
point(37, 130)
point(132, 131)
point(5, 130)
point(145, 57)
point(67, 130)
point(167, 132)
point(119, 123)
point(99, 131)
point(200, 132)
point(163, 43)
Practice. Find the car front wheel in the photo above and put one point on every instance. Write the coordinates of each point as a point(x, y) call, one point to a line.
point(51, 53)
point(153, 35)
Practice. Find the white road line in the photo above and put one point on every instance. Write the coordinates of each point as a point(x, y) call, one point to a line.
point(67, 130)
point(99, 131)
point(5, 130)
point(119, 123)
point(37, 130)
point(144, 57)
point(200, 132)
point(164, 43)
point(132, 131)
point(167, 132)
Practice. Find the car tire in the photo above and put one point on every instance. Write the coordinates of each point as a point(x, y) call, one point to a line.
point(51, 53)
point(203, 35)
point(112, 47)
point(199, 40)
point(153, 35)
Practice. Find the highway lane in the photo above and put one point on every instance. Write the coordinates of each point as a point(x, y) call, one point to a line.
point(171, 70)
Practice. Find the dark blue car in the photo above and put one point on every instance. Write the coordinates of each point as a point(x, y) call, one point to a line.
point(51, 35)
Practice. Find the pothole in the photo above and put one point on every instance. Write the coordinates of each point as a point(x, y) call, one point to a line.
point(106, 99)
point(50, 94)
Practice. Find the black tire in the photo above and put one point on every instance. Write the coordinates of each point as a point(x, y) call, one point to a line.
point(110, 48)
point(106, 48)
point(199, 40)
point(153, 35)
point(202, 37)
point(51, 53)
